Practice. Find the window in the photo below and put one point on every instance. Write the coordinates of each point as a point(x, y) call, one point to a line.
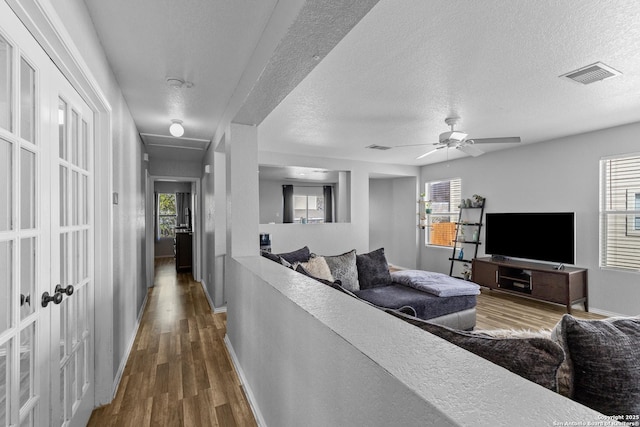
point(167, 219)
point(445, 199)
point(620, 212)
point(308, 209)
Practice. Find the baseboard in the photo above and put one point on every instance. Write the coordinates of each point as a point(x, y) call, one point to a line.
point(206, 294)
point(243, 383)
point(132, 340)
point(212, 306)
point(605, 313)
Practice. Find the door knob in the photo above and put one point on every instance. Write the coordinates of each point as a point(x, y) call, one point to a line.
point(68, 290)
point(25, 299)
point(56, 298)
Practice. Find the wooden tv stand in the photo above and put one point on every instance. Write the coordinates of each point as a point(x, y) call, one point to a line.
point(534, 280)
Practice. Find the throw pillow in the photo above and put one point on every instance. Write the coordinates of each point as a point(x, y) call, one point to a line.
point(529, 355)
point(317, 267)
point(300, 269)
point(343, 268)
point(300, 255)
point(606, 363)
point(269, 255)
point(373, 270)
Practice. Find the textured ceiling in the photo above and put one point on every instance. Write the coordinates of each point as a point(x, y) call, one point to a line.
point(388, 77)
point(319, 26)
point(205, 42)
point(409, 64)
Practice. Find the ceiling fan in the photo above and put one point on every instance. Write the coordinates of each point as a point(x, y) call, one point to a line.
point(458, 140)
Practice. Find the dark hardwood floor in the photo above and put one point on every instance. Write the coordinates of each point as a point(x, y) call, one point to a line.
point(179, 372)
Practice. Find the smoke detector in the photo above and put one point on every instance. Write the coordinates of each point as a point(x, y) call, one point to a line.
point(592, 73)
point(377, 147)
point(177, 83)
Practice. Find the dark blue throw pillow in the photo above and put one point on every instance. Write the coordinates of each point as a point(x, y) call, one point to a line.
point(373, 269)
point(300, 255)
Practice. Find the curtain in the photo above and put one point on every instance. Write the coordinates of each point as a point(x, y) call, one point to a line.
point(287, 204)
point(183, 202)
point(328, 203)
point(156, 214)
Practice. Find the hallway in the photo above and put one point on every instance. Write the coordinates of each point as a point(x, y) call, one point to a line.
point(178, 372)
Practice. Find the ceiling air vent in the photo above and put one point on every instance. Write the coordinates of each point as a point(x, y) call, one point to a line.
point(378, 147)
point(592, 73)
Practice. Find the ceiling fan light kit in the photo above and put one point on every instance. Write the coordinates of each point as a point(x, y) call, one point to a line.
point(458, 140)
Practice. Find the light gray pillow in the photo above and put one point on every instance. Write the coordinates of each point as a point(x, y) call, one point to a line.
point(343, 267)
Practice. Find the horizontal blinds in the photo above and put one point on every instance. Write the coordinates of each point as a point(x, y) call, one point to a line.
point(620, 214)
point(445, 199)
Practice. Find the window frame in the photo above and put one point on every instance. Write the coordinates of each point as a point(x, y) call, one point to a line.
point(619, 213)
point(453, 211)
point(160, 216)
point(296, 219)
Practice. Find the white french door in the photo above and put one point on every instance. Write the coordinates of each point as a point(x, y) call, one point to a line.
point(46, 238)
point(72, 240)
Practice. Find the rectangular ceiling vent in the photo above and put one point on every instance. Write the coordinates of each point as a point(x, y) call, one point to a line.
point(378, 147)
point(592, 73)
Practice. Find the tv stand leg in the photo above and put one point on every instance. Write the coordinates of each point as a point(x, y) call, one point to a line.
point(569, 308)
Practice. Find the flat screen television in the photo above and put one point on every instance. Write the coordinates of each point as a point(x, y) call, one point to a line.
point(541, 236)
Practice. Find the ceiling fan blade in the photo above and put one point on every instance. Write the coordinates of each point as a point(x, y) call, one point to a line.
point(429, 152)
point(510, 139)
point(471, 150)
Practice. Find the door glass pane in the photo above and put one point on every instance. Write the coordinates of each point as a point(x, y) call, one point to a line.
point(71, 372)
point(75, 261)
point(27, 189)
point(5, 374)
point(26, 364)
point(85, 145)
point(85, 252)
point(84, 208)
point(5, 87)
point(62, 399)
point(64, 281)
point(75, 143)
point(80, 370)
point(62, 128)
point(28, 421)
point(27, 101)
point(75, 200)
point(63, 196)
point(27, 275)
point(6, 181)
point(63, 328)
point(6, 280)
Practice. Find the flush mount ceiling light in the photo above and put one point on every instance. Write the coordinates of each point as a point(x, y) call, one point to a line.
point(176, 129)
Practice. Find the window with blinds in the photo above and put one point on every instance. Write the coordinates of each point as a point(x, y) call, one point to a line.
point(620, 212)
point(445, 199)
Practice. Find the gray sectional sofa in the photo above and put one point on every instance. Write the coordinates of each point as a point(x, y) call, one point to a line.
point(367, 278)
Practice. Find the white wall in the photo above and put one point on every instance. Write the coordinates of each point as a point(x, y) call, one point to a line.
point(559, 175)
point(393, 219)
point(270, 201)
point(336, 238)
point(310, 355)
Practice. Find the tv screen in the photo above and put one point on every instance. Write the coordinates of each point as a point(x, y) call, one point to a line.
point(546, 236)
